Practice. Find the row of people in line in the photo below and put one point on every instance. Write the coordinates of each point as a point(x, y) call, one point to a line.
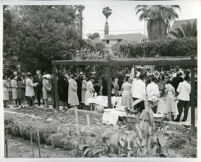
point(75, 90)
point(23, 86)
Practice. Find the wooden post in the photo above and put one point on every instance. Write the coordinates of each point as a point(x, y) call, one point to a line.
point(77, 121)
point(109, 82)
point(38, 139)
point(55, 88)
point(6, 145)
point(193, 94)
point(88, 122)
point(31, 140)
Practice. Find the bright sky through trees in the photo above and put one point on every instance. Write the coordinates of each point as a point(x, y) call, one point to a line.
point(123, 18)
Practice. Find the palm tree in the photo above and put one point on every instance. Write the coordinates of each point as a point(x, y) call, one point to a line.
point(106, 12)
point(187, 30)
point(158, 19)
point(80, 9)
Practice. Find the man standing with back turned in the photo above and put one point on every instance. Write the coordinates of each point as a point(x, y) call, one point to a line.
point(184, 90)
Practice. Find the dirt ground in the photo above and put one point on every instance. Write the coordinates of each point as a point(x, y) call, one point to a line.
point(179, 144)
point(20, 148)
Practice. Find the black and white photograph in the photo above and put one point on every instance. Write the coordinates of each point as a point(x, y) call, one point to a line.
point(111, 79)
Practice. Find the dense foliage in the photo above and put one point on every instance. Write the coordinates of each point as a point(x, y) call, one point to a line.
point(187, 30)
point(35, 35)
point(168, 47)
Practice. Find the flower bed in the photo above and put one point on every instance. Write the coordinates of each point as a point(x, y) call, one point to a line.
point(125, 140)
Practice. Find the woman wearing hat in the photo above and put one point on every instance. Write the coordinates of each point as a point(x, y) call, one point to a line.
point(72, 92)
point(46, 88)
point(14, 87)
point(90, 90)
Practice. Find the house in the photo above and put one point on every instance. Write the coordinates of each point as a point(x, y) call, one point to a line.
point(178, 24)
point(110, 40)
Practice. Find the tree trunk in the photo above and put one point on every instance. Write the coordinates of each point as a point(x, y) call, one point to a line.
point(106, 28)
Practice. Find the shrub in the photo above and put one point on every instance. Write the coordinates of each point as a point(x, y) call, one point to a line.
point(167, 47)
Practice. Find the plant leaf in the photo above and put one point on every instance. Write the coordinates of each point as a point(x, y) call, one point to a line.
point(162, 140)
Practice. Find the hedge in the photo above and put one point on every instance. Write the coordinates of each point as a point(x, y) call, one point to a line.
point(167, 47)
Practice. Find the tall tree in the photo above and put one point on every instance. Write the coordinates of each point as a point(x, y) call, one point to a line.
point(35, 35)
point(106, 12)
point(158, 19)
point(80, 9)
point(187, 30)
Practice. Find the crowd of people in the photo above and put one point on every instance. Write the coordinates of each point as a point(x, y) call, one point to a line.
point(76, 89)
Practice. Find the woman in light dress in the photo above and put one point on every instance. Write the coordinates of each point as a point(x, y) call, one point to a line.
point(14, 88)
point(21, 89)
point(169, 100)
point(90, 90)
point(84, 88)
point(46, 88)
point(126, 93)
point(72, 92)
point(29, 90)
point(6, 87)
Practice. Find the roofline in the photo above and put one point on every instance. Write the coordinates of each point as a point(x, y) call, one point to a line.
point(112, 39)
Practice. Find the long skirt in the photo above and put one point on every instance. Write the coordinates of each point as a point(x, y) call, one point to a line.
point(45, 93)
point(83, 95)
point(5, 95)
point(87, 96)
point(14, 93)
point(126, 99)
point(73, 99)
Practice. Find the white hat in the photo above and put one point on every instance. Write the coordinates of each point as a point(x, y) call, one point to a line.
point(48, 76)
point(138, 74)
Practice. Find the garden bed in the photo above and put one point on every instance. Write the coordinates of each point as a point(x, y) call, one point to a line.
point(93, 139)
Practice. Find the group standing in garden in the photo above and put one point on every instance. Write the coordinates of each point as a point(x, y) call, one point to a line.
point(75, 89)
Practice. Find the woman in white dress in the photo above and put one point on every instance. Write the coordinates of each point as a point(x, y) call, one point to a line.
point(6, 87)
point(170, 105)
point(14, 87)
point(46, 88)
point(90, 90)
point(72, 92)
point(126, 99)
point(84, 88)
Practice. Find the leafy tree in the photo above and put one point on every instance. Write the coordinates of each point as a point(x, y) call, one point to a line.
point(187, 30)
point(36, 35)
point(106, 12)
point(158, 19)
point(80, 9)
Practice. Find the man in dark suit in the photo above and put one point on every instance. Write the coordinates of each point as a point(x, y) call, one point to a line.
point(38, 90)
point(79, 86)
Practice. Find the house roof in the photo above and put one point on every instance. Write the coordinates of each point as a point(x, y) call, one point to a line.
point(96, 40)
point(132, 37)
point(179, 23)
